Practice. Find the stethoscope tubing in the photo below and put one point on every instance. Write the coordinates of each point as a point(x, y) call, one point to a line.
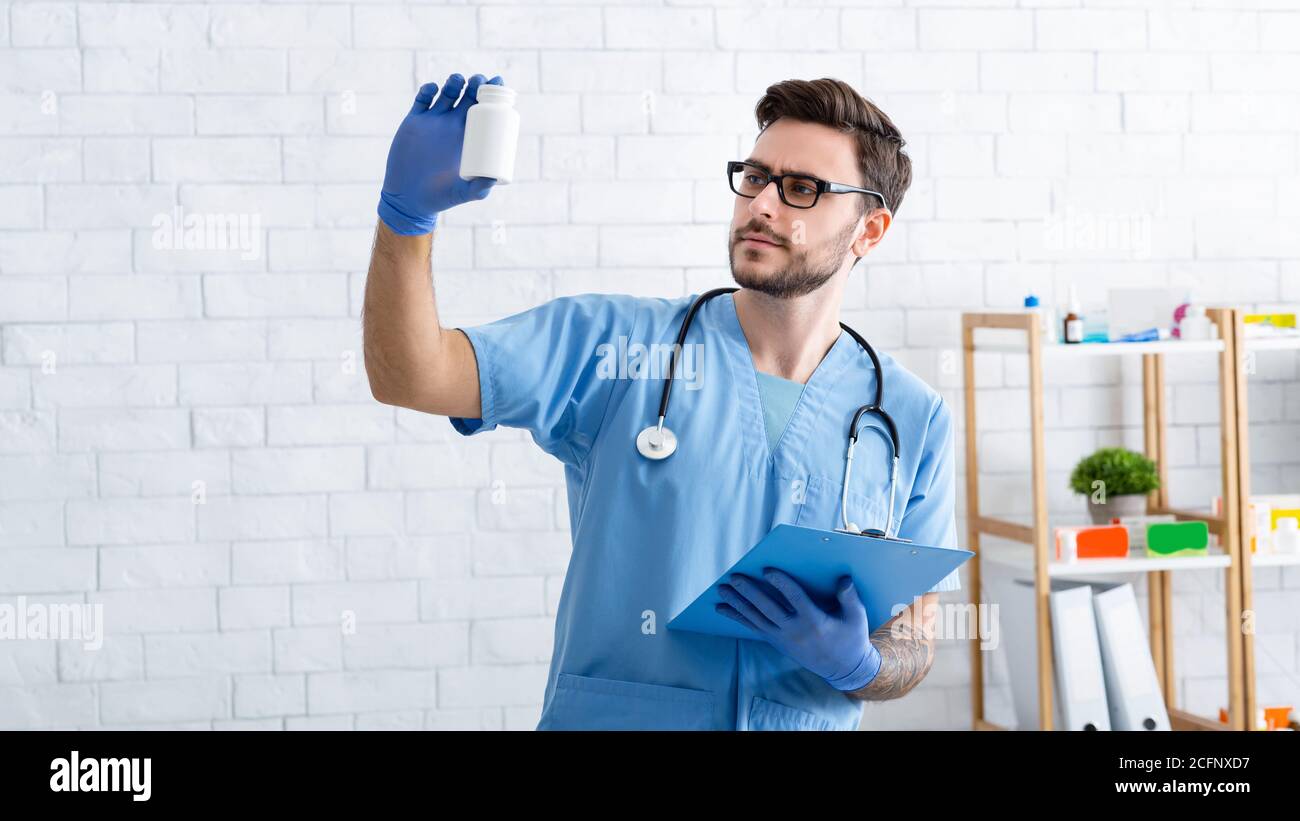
point(655, 436)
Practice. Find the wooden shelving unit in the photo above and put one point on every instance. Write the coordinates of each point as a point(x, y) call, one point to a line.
point(1228, 526)
point(1245, 344)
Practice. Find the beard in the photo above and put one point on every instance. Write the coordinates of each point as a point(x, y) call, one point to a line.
point(807, 270)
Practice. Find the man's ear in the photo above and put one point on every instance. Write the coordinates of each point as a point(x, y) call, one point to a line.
point(875, 223)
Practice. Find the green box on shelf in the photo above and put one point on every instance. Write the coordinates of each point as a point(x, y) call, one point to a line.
point(1177, 539)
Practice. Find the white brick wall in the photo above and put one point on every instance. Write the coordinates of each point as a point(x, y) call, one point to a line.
point(137, 380)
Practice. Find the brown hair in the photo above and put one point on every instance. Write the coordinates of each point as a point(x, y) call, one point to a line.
point(885, 167)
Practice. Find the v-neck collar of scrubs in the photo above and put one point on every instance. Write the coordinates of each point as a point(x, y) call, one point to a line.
point(798, 431)
point(778, 396)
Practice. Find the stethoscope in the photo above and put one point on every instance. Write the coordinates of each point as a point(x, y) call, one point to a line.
point(658, 442)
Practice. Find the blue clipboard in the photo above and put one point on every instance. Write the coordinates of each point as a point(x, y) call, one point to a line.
point(886, 573)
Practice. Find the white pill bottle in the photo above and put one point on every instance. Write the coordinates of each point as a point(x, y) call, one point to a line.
point(491, 135)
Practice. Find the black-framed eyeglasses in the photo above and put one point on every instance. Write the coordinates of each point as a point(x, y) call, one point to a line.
point(795, 190)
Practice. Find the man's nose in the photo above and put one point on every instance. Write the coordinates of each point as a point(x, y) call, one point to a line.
point(766, 203)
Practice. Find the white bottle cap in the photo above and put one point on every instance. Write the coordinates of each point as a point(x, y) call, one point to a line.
point(493, 93)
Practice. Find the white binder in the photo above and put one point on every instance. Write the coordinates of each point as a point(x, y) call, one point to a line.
point(1080, 682)
point(1132, 689)
point(1015, 602)
point(1015, 599)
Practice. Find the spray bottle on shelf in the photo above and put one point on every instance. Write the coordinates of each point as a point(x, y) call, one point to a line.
point(1195, 325)
point(1046, 318)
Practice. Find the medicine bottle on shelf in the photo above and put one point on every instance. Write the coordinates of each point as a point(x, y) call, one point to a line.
point(1072, 325)
point(491, 135)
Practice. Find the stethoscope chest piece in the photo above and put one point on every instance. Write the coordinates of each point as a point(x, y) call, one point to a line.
point(656, 442)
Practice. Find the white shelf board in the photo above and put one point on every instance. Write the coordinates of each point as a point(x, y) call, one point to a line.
point(1274, 559)
point(1020, 556)
point(1270, 343)
point(1060, 349)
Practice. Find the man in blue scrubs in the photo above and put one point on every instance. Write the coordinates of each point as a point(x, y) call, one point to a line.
point(761, 426)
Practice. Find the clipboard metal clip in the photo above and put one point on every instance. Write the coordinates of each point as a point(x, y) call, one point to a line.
point(875, 533)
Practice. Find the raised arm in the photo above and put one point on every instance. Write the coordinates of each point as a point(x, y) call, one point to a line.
point(411, 360)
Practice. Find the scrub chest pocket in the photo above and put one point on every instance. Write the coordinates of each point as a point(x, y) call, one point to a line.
point(820, 506)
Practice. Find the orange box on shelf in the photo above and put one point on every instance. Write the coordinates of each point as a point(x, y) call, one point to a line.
point(1266, 718)
point(1277, 718)
point(1096, 542)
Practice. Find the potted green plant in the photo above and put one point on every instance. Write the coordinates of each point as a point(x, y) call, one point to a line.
point(1115, 481)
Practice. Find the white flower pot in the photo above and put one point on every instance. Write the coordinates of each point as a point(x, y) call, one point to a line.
point(1117, 507)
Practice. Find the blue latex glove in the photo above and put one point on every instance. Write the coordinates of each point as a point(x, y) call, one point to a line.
point(423, 174)
point(836, 646)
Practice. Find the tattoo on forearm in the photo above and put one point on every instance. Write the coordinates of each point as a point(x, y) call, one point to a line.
point(906, 653)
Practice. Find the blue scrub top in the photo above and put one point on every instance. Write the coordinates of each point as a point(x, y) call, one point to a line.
point(581, 374)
